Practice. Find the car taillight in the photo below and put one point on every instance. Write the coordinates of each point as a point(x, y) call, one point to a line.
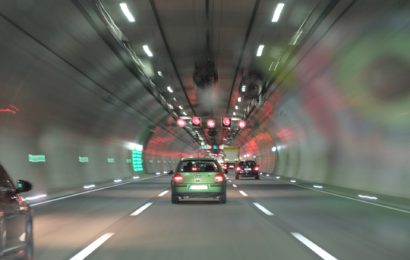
point(238, 169)
point(256, 168)
point(178, 178)
point(219, 177)
point(194, 168)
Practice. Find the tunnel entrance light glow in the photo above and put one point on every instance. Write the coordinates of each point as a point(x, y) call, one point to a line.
point(127, 13)
point(147, 50)
point(133, 146)
point(277, 12)
point(170, 90)
point(36, 158)
point(260, 50)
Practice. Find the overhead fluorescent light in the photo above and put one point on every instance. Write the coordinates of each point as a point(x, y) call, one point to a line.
point(159, 73)
point(184, 113)
point(127, 13)
point(243, 88)
point(236, 107)
point(260, 50)
point(239, 99)
point(234, 113)
point(170, 90)
point(180, 107)
point(147, 50)
point(277, 12)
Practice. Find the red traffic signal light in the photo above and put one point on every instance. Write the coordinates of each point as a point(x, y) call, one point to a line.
point(242, 124)
point(226, 122)
point(196, 121)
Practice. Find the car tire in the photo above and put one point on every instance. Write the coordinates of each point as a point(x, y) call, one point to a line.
point(174, 199)
point(222, 198)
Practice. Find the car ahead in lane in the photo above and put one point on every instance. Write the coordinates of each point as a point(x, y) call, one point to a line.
point(247, 169)
point(198, 178)
point(16, 228)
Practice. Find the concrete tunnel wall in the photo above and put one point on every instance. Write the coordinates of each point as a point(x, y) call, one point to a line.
point(341, 116)
point(61, 98)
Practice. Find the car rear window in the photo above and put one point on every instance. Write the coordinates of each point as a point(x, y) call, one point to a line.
point(198, 166)
point(247, 164)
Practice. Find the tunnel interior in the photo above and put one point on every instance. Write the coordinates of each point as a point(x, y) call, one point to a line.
point(327, 101)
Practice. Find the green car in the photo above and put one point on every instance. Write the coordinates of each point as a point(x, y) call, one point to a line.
point(198, 178)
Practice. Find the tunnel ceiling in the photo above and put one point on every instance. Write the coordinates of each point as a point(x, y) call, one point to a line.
point(205, 51)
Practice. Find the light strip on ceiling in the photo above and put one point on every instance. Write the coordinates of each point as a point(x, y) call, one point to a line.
point(147, 50)
point(127, 13)
point(170, 90)
point(260, 50)
point(277, 12)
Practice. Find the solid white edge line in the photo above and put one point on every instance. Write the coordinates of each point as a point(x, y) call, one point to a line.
point(362, 201)
point(141, 209)
point(92, 247)
point(263, 209)
point(243, 193)
point(312, 246)
point(84, 192)
point(163, 193)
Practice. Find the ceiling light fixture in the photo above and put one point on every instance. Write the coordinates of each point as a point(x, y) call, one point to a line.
point(127, 13)
point(180, 107)
point(243, 88)
point(239, 99)
point(277, 12)
point(170, 90)
point(147, 50)
point(260, 50)
point(159, 73)
point(236, 107)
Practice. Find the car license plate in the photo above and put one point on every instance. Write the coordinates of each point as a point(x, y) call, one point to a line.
point(198, 187)
point(248, 169)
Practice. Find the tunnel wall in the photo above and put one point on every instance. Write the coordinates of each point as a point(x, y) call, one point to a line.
point(341, 114)
point(65, 95)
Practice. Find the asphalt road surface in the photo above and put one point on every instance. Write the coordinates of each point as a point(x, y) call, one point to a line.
point(262, 219)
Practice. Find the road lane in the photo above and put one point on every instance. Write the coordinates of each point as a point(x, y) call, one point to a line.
point(200, 230)
point(64, 227)
point(346, 228)
point(301, 222)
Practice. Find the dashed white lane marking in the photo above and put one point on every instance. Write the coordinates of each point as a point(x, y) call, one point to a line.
point(141, 209)
point(163, 193)
point(263, 209)
point(92, 247)
point(234, 185)
point(312, 246)
point(243, 193)
point(358, 200)
point(230, 180)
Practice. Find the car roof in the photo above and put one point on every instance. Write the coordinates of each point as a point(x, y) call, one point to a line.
point(198, 159)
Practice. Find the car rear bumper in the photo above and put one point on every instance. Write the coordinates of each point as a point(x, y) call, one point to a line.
point(248, 174)
point(212, 191)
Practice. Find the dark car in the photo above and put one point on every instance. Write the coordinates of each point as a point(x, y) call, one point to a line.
point(247, 169)
point(16, 228)
point(198, 178)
